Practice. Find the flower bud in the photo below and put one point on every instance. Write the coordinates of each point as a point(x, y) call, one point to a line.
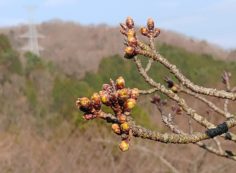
point(116, 128)
point(129, 104)
point(150, 24)
point(105, 87)
point(175, 88)
point(123, 94)
point(84, 104)
point(104, 98)
point(96, 101)
point(132, 41)
point(156, 32)
point(129, 22)
point(120, 82)
point(124, 145)
point(144, 31)
point(130, 51)
point(122, 118)
point(96, 98)
point(124, 127)
point(134, 93)
point(89, 116)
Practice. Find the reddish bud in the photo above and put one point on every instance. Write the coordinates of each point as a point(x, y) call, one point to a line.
point(129, 22)
point(96, 101)
point(105, 87)
point(150, 24)
point(89, 116)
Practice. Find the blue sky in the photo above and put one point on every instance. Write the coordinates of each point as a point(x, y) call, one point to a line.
point(211, 20)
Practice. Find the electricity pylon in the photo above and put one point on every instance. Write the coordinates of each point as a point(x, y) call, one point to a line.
point(32, 35)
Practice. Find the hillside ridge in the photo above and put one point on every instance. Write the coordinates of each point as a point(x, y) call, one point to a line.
point(77, 49)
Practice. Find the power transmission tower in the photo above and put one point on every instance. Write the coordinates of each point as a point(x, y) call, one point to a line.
point(32, 35)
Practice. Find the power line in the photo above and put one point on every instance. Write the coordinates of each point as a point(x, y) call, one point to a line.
point(32, 34)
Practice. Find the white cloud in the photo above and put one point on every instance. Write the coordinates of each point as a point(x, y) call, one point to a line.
point(54, 3)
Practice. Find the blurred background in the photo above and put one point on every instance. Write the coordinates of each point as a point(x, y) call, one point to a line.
point(54, 51)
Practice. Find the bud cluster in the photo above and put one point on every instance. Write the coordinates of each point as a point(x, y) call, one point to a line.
point(150, 30)
point(120, 99)
point(127, 29)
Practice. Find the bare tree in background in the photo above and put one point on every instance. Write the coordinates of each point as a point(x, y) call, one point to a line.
point(122, 100)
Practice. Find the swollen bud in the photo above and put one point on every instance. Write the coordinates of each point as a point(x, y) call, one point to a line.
point(116, 128)
point(175, 88)
point(96, 101)
point(134, 93)
point(129, 22)
point(84, 104)
point(122, 118)
point(124, 127)
point(150, 24)
point(129, 104)
point(104, 98)
point(123, 94)
point(120, 82)
point(124, 145)
point(144, 31)
point(132, 41)
point(130, 50)
point(89, 116)
point(96, 98)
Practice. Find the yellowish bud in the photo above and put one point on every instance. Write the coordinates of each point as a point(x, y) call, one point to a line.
point(124, 126)
point(124, 145)
point(104, 98)
point(175, 88)
point(131, 33)
point(120, 82)
point(96, 98)
point(123, 94)
point(130, 103)
point(83, 102)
